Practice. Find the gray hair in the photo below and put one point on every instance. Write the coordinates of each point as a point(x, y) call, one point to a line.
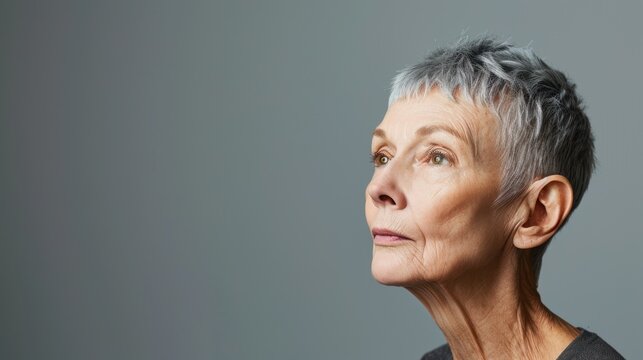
point(543, 126)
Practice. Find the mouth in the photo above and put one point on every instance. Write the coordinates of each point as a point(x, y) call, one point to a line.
point(386, 237)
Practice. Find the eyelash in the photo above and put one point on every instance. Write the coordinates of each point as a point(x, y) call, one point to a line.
point(431, 154)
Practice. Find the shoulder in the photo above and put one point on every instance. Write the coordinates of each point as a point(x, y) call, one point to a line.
point(589, 346)
point(440, 353)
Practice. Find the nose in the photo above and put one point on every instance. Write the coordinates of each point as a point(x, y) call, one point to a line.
point(384, 190)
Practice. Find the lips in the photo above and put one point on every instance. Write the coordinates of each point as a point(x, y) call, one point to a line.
point(382, 236)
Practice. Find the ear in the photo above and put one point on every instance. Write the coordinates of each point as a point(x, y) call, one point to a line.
point(543, 210)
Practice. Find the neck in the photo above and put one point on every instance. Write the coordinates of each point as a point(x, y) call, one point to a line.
point(496, 313)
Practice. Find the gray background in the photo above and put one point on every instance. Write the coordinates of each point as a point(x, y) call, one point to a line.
point(186, 180)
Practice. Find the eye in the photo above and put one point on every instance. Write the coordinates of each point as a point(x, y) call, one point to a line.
point(379, 158)
point(437, 157)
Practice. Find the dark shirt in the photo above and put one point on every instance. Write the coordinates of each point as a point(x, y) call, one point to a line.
point(586, 346)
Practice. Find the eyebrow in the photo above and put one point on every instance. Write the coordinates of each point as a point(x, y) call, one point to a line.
point(424, 131)
point(429, 129)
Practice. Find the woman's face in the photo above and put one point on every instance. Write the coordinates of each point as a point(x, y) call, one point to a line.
point(436, 175)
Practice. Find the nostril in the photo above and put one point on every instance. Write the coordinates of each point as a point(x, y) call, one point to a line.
point(386, 198)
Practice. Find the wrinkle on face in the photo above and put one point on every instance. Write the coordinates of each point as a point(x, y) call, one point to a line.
point(448, 210)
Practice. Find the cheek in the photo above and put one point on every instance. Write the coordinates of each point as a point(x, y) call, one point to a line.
point(458, 200)
point(457, 222)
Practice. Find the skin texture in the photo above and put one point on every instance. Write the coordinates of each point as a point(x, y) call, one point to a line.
point(465, 260)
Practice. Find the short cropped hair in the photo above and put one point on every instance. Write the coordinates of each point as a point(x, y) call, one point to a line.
point(543, 126)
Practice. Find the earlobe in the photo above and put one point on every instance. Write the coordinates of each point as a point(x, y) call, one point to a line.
point(543, 210)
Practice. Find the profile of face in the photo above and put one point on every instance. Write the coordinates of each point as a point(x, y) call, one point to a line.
point(437, 172)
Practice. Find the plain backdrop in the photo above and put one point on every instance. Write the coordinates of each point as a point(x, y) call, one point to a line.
point(185, 180)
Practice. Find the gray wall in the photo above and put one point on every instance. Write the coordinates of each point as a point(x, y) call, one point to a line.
point(186, 180)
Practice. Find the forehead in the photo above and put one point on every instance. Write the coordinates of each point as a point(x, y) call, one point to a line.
point(473, 124)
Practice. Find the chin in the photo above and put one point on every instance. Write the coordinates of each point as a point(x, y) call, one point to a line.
point(389, 269)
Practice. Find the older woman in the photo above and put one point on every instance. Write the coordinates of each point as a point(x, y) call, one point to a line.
point(482, 156)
